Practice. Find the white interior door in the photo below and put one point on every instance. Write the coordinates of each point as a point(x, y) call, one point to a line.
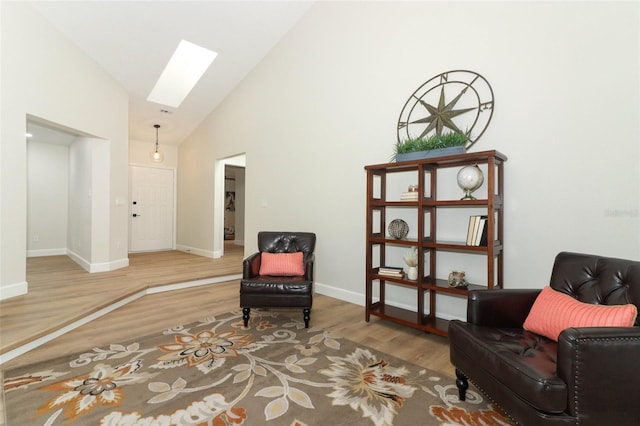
point(152, 209)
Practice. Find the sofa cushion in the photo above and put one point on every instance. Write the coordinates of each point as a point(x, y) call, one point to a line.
point(554, 311)
point(281, 264)
point(520, 360)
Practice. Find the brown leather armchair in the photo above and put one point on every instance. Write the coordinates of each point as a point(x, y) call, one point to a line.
point(589, 377)
point(267, 291)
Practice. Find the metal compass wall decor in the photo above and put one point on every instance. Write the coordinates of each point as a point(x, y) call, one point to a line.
point(454, 101)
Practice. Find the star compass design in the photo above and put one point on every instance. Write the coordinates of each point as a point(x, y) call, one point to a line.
point(454, 101)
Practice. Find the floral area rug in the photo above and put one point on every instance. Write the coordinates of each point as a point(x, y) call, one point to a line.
point(217, 372)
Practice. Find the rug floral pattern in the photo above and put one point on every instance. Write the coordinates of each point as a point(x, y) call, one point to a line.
point(217, 372)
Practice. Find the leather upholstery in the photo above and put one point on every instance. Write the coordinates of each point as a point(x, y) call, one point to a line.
point(264, 291)
point(588, 377)
point(286, 242)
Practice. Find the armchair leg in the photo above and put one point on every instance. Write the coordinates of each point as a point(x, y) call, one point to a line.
point(462, 384)
point(307, 316)
point(245, 316)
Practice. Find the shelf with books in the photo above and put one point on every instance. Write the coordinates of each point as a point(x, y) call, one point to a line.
point(433, 216)
point(477, 232)
point(391, 272)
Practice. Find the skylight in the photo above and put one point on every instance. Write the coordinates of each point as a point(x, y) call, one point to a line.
point(187, 65)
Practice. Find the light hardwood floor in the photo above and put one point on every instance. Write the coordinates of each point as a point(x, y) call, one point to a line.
point(61, 292)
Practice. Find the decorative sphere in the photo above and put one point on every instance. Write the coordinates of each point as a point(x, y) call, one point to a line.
point(398, 229)
point(470, 178)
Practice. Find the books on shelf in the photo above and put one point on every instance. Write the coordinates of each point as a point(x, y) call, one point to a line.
point(472, 225)
point(391, 271)
point(477, 231)
point(481, 237)
point(409, 196)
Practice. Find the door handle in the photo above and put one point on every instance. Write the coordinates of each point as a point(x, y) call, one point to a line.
point(136, 215)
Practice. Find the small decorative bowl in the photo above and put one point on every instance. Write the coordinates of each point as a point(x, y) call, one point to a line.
point(398, 229)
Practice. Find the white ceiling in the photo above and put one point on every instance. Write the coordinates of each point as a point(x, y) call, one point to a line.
point(133, 40)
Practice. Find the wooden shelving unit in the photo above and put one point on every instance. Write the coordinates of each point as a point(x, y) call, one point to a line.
point(426, 210)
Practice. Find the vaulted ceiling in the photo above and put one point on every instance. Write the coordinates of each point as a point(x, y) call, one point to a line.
point(133, 40)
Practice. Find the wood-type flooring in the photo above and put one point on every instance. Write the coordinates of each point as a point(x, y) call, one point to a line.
point(61, 293)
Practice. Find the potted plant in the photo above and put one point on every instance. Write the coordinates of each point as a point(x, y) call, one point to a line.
point(431, 146)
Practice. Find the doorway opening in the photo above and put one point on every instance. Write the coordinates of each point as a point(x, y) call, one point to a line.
point(229, 201)
point(67, 194)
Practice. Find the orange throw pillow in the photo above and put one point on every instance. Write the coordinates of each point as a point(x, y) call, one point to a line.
point(554, 311)
point(283, 264)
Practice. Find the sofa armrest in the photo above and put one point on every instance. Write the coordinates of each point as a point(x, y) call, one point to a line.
point(600, 367)
point(500, 308)
point(251, 266)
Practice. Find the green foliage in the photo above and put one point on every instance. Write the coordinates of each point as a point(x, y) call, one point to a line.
point(446, 140)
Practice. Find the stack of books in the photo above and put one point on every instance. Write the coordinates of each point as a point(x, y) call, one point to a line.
point(477, 232)
point(391, 271)
point(409, 196)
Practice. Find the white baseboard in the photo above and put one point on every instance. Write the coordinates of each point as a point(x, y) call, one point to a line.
point(12, 290)
point(359, 299)
point(47, 252)
point(339, 293)
point(108, 266)
point(79, 260)
point(199, 252)
point(119, 264)
point(98, 267)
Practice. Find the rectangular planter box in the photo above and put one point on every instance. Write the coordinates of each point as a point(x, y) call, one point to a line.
point(419, 155)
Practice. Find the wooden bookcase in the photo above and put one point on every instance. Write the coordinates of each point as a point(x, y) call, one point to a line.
point(432, 176)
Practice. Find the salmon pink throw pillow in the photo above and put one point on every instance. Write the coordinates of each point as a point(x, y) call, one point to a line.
point(282, 264)
point(554, 311)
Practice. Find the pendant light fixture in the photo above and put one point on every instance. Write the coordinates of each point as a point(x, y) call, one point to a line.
point(156, 155)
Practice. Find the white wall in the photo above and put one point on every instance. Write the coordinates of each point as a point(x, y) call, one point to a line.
point(80, 201)
point(326, 100)
point(48, 189)
point(45, 76)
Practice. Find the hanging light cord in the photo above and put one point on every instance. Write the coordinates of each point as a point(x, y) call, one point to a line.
point(157, 126)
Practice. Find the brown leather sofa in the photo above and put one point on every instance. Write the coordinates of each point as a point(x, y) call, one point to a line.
point(267, 291)
point(591, 376)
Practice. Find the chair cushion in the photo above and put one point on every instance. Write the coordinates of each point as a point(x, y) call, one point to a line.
point(554, 311)
point(276, 292)
point(276, 285)
point(281, 264)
